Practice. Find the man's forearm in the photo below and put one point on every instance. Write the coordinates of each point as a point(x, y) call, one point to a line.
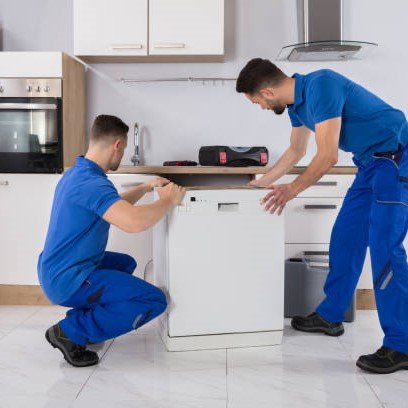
point(288, 159)
point(318, 167)
point(136, 193)
point(150, 214)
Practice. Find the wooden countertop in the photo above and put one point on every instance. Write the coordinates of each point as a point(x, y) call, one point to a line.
point(217, 170)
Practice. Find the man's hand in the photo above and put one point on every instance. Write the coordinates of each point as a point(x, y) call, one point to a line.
point(157, 182)
point(134, 194)
point(277, 198)
point(172, 193)
point(258, 183)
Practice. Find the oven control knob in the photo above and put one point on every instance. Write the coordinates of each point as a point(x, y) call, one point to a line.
point(29, 88)
point(46, 88)
point(38, 88)
point(1, 89)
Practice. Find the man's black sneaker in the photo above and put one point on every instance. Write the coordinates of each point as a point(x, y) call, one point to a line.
point(383, 361)
point(315, 323)
point(73, 353)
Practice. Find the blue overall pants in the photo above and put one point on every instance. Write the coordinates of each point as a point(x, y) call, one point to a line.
point(111, 302)
point(374, 214)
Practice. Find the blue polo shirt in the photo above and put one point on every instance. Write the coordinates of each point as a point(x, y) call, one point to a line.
point(369, 124)
point(77, 233)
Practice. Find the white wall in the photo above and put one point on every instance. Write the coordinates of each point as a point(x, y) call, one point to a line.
point(178, 118)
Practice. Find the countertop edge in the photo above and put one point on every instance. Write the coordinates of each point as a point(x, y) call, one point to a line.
point(218, 170)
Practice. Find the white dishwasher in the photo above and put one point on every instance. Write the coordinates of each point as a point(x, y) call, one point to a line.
point(220, 258)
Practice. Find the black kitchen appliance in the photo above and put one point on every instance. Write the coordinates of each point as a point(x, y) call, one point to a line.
point(31, 125)
point(234, 156)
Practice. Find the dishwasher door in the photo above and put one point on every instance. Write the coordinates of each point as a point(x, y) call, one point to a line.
point(225, 264)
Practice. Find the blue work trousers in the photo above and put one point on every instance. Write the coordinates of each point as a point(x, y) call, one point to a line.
point(111, 302)
point(374, 214)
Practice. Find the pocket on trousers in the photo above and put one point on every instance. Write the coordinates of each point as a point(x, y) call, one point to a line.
point(403, 181)
point(391, 187)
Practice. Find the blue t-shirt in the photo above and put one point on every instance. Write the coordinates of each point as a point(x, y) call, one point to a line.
point(369, 124)
point(77, 233)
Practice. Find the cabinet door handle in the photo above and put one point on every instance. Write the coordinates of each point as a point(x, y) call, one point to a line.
point(320, 206)
point(127, 47)
point(326, 183)
point(4, 183)
point(28, 106)
point(170, 45)
point(316, 253)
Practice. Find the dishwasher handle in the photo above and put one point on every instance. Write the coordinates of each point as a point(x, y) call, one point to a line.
point(228, 207)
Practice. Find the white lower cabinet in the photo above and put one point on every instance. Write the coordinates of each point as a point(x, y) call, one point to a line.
point(330, 185)
point(309, 219)
point(25, 207)
point(139, 245)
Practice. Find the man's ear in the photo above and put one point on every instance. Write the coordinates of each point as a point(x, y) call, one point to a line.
point(267, 93)
point(117, 143)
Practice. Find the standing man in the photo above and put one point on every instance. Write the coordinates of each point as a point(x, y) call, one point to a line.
point(75, 270)
point(345, 115)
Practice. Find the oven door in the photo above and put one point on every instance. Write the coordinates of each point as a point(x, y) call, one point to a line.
point(30, 135)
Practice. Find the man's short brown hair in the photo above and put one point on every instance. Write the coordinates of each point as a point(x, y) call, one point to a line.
point(108, 126)
point(257, 74)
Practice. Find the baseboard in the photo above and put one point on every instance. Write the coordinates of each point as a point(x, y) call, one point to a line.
point(33, 295)
point(22, 295)
point(365, 299)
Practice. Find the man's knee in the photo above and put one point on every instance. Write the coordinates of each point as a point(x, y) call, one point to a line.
point(159, 301)
point(154, 305)
point(148, 294)
point(130, 262)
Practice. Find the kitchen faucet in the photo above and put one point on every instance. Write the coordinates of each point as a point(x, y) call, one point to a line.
point(136, 159)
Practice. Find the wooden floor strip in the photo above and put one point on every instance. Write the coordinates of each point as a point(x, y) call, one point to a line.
point(22, 295)
point(366, 299)
point(33, 295)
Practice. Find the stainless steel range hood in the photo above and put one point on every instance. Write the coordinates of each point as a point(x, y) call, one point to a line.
point(320, 27)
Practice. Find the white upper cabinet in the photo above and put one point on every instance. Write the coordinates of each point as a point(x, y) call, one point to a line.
point(186, 27)
point(110, 27)
point(122, 30)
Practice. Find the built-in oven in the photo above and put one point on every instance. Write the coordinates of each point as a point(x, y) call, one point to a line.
point(31, 125)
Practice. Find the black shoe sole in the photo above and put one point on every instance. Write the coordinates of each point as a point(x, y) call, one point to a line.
point(67, 358)
point(333, 332)
point(380, 370)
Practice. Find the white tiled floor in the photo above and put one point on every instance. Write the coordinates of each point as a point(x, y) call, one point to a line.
point(136, 371)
